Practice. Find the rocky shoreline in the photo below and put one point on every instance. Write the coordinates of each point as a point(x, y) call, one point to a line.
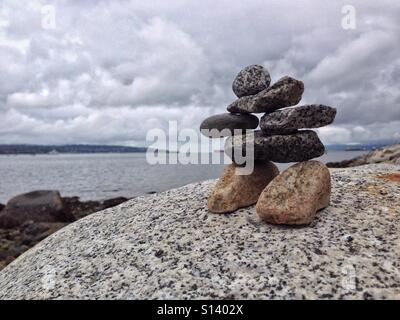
point(19, 238)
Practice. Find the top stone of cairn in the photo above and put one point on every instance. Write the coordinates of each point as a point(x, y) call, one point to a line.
point(251, 80)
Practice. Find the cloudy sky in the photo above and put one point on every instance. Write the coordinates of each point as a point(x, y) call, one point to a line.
point(108, 71)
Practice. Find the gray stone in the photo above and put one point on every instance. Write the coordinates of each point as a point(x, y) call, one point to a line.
point(251, 80)
point(227, 121)
point(284, 93)
point(38, 206)
point(300, 146)
point(301, 117)
point(168, 246)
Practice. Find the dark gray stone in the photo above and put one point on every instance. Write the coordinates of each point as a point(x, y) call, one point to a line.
point(307, 116)
point(300, 146)
point(251, 80)
point(38, 206)
point(228, 121)
point(284, 93)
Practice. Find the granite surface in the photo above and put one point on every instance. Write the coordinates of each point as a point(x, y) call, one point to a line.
point(169, 246)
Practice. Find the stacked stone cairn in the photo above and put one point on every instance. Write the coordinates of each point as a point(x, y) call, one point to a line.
point(295, 195)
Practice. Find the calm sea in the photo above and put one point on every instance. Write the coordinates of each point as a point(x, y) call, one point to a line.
point(102, 176)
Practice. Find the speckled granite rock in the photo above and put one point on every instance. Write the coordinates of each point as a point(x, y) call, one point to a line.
point(169, 246)
point(300, 146)
point(17, 240)
point(284, 93)
point(233, 191)
point(295, 196)
point(251, 80)
point(227, 121)
point(301, 117)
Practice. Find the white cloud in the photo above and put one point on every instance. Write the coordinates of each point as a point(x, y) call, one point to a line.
point(111, 70)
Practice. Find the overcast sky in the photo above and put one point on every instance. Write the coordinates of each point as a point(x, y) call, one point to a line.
point(107, 71)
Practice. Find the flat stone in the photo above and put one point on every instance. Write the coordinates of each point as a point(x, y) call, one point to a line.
point(234, 191)
point(38, 206)
point(251, 80)
point(168, 246)
point(229, 122)
point(300, 146)
point(295, 196)
point(284, 93)
point(301, 117)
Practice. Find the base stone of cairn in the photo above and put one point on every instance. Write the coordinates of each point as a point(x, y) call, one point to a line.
point(295, 195)
point(234, 191)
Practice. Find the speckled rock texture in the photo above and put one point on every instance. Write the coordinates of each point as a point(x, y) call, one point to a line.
point(233, 191)
point(285, 92)
point(169, 246)
point(229, 122)
point(389, 154)
point(301, 117)
point(295, 196)
point(300, 146)
point(251, 80)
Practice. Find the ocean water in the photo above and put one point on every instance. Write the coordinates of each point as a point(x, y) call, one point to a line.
point(102, 176)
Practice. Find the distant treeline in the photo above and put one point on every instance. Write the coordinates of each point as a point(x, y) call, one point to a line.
point(357, 147)
point(51, 149)
point(87, 148)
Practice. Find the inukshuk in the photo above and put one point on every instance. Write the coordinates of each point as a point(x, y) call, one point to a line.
point(295, 195)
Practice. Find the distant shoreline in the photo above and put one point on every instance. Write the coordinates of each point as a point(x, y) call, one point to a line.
point(67, 153)
point(27, 149)
point(67, 149)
